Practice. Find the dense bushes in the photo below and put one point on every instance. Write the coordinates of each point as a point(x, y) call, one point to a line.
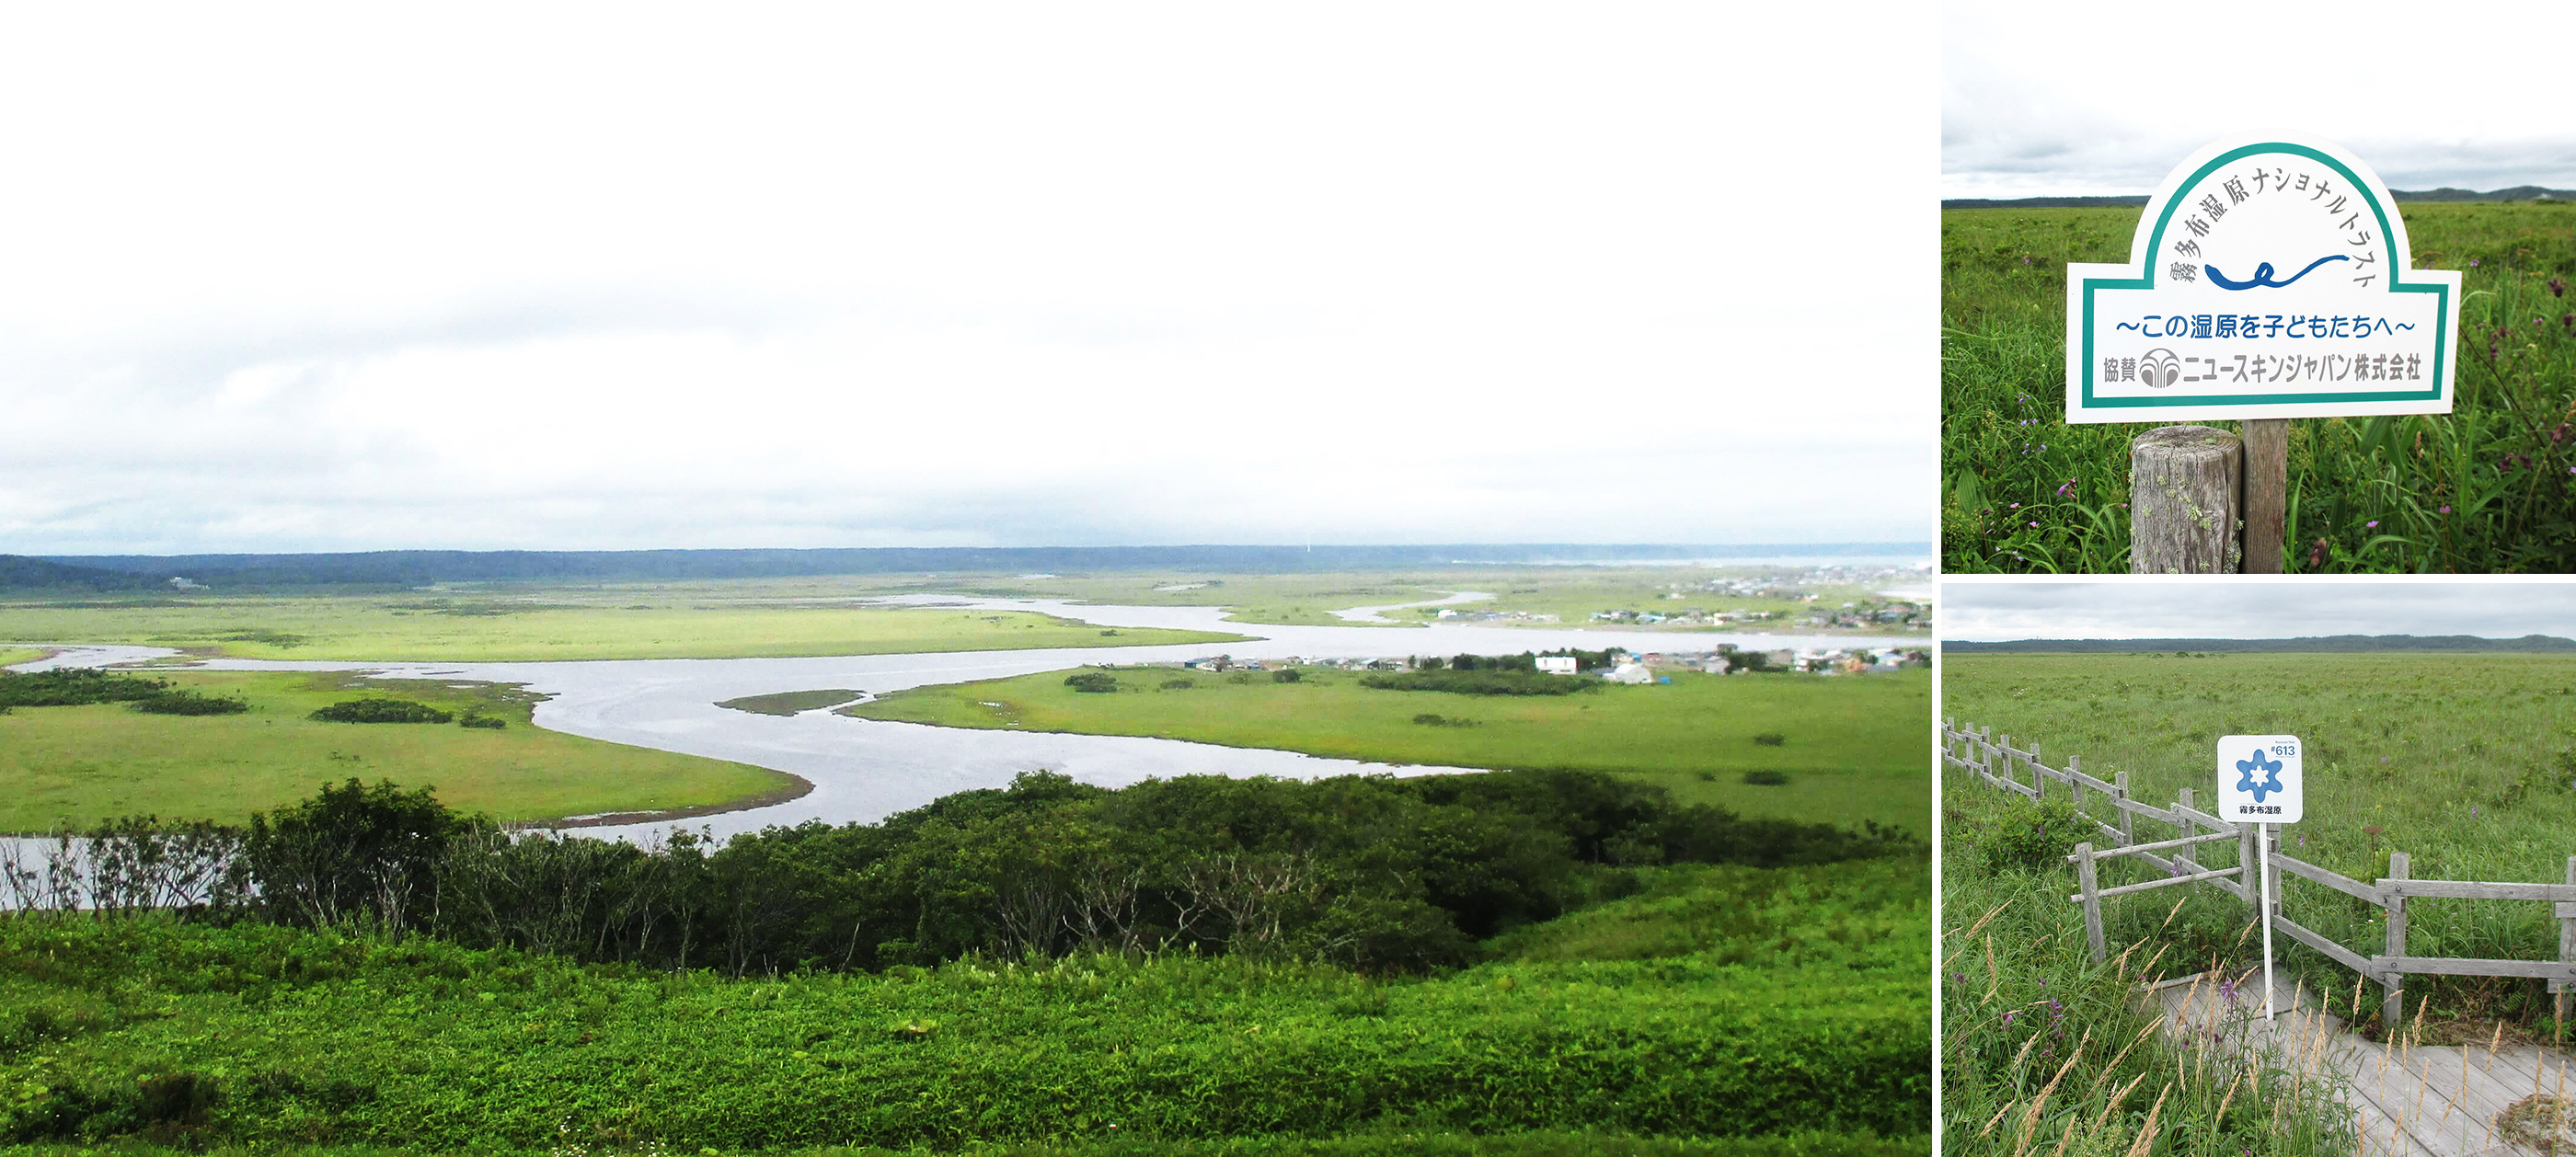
point(176, 702)
point(1095, 682)
point(1480, 682)
point(381, 710)
point(75, 687)
point(1373, 873)
point(351, 854)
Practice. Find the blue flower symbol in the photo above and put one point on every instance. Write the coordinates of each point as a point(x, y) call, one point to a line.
point(2271, 770)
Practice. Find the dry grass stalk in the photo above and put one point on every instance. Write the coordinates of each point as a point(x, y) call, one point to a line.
point(2147, 1133)
point(2114, 1067)
point(2220, 1121)
point(2030, 1120)
point(2108, 1107)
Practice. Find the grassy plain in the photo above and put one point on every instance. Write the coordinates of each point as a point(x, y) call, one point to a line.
point(1716, 1003)
point(81, 765)
point(1853, 746)
point(498, 624)
point(1571, 593)
point(2485, 488)
point(12, 656)
point(2465, 762)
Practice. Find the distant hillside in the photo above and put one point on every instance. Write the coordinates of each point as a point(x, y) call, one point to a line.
point(420, 567)
point(2139, 200)
point(2333, 643)
point(37, 574)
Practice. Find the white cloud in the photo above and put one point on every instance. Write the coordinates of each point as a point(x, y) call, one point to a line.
point(321, 278)
point(2056, 100)
point(2256, 608)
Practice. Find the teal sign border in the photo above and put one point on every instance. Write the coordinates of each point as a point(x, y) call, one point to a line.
point(2155, 243)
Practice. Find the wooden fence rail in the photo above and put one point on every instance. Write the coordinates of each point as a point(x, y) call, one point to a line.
point(1996, 762)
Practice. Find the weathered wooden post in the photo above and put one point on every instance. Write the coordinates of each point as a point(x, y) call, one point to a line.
point(2074, 785)
point(2092, 899)
point(2246, 860)
point(2393, 1005)
point(2566, 948)
point(2186, 493)
point(2128, 830)
point(2267, 492)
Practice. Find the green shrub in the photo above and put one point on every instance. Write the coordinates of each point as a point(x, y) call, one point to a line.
point(1770, 739)
point(189, 703)
point(1481, 682)
point(483, 722)
point(381, 710)
point(1178, 684)
point(2033, 838)
point(1092, 682)
point(1766, 778)
point(1286, 675)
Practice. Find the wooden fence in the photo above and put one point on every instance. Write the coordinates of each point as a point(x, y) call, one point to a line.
point(1993, 760)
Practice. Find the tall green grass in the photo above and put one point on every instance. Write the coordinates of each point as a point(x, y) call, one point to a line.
point(2489, 487)
point(2465, 762)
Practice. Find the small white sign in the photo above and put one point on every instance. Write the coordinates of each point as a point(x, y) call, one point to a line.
point(2259, 779)
point(2270, 277)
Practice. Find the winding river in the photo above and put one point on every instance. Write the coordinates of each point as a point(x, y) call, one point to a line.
point(864, 770)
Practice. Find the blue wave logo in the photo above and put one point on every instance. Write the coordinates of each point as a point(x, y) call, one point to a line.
point(2262, 278)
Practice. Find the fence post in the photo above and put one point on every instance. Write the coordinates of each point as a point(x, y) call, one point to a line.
point(2185, 826)
point(2272, 874)
point(2092, 899)
point(2246, 874)
point(2002, 743)
point(2187, 487)
point(2128, 831)
point(2566, 949)
point(2075, 787)
point(2393, 1004)
point(2038, 773)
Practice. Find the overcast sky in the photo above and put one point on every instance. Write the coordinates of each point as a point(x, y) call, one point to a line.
point(2050, 99)
point(323, 278)
point(1988, 612)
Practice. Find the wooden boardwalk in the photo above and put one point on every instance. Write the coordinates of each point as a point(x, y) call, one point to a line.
point(2418, 1101)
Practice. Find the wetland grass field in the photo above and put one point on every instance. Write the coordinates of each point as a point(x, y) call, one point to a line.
point(2467, 762)
point(80, 765)
point(2486, 488)
point(1851, 747)
point(512, 624)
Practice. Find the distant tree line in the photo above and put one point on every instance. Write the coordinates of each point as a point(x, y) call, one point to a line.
point(1374, 873)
